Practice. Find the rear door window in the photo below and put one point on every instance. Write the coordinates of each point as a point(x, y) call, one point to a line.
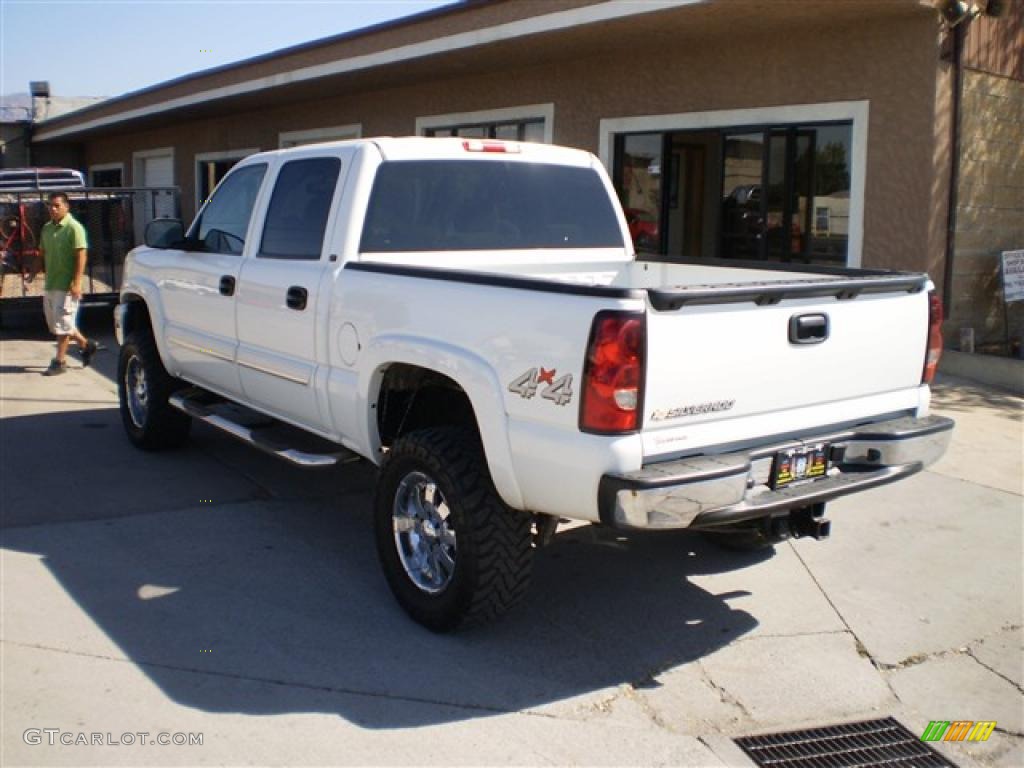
point(298, 210)
point(464, 205)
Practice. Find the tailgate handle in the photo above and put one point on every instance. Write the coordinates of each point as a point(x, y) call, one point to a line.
point(808, 329)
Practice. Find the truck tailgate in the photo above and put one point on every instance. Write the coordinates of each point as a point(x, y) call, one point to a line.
point(736, 363)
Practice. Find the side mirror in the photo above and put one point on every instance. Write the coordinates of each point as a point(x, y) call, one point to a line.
point(165, 233)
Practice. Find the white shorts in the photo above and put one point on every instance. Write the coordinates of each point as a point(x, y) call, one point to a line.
point(61, 309)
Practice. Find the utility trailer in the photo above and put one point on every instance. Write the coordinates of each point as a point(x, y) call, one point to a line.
point(114, 218)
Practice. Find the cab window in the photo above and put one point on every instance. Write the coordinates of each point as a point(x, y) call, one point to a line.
point(222, 225)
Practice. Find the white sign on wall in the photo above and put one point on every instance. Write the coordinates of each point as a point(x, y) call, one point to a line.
point(1013, 275)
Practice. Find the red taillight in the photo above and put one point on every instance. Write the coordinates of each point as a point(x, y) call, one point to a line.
point(489, 145)
point(613, 373)
point(931, 360)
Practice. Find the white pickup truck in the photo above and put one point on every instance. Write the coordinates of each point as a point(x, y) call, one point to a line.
point(469, 315)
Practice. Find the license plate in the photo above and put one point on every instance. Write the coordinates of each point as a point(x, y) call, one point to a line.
point(800, 465)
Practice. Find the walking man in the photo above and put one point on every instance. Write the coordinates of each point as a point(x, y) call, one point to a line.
point(63, 246)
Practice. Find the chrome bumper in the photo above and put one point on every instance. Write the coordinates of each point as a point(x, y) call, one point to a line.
point(712, 491)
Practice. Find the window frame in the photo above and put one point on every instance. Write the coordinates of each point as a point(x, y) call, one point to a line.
point(524, 113)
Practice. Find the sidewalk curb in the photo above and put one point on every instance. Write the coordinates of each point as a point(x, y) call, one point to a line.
point(1003, 372)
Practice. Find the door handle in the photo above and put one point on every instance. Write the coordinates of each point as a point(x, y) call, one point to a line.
point(227, 286)
point(808, 329)
point(296, 298)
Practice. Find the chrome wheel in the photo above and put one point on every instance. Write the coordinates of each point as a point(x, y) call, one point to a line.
point(137, 391)
point(423, 537)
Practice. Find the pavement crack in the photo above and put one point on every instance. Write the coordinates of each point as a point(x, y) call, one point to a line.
point(915, 659)
point(723, 694)
point(788, 635)
point(330, 689)
point(606, 704)
point(645, 706)
point(862, 649)
point(997, 673)
point(963, 650)
point(1008, 732)
point(940, 473)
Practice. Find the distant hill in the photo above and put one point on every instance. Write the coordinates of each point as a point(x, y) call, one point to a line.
point(13, 106)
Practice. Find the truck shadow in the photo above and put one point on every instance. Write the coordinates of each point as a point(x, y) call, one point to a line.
point(244, 591)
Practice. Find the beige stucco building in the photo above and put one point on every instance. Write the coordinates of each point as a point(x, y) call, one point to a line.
point(800, 130)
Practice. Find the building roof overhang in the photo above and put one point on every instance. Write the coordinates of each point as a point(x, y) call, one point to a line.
point(477, 35)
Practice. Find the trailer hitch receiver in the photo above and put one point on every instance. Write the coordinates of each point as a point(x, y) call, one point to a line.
point(810, 521)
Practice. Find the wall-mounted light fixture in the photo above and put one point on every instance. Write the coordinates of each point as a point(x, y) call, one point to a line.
point(956, 12)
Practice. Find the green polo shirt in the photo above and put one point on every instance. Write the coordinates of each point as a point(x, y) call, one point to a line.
point(59, 243)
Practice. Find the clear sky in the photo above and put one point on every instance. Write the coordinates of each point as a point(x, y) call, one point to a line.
point(111, 47)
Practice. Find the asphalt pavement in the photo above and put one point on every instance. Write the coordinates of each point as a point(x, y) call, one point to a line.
point(216, 594)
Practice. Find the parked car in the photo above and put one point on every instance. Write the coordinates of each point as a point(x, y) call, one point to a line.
point(25, 179)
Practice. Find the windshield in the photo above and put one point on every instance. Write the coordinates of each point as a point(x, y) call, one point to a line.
point(468, 205)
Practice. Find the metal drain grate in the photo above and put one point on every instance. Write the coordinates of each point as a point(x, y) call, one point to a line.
point(870, 744)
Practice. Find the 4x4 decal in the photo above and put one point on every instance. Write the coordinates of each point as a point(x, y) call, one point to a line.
point(558, 391)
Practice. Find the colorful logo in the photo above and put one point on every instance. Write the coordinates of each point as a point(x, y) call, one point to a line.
point(958, 730)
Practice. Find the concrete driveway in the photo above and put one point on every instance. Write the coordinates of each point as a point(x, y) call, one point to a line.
point(215, 591)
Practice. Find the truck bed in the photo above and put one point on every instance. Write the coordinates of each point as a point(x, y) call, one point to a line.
point(670, 286)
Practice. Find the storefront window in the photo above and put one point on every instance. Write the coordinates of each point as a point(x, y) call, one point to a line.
point(783, 192)
point(640, 189)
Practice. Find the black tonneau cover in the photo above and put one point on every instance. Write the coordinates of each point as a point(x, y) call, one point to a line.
point(830, 281)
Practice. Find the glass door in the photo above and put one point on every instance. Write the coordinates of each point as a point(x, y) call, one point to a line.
point(743, 211)
point(790, 179)
point(768, 192)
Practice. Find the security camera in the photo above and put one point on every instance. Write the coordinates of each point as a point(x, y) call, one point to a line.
point(956, 12)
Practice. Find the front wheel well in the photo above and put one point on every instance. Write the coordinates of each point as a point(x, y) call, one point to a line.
point(136, 315)
point(412, 398)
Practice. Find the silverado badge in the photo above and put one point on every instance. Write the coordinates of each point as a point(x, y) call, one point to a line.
point(692, 410)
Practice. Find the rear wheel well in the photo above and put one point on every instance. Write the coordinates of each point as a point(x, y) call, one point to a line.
point(413, 398)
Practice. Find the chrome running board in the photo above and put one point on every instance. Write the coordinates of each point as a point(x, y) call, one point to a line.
point(199, 405)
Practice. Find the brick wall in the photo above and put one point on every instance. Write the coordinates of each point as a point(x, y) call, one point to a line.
point(990, 212)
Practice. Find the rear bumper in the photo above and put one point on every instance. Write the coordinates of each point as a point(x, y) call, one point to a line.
point(713, 491)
